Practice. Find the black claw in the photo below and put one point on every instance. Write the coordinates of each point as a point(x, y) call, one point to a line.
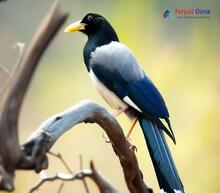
point(131, 146)
point(134, 148)
point(150, 190)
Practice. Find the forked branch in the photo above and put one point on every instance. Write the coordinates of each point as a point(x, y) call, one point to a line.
point(86, 111)
point(103, 185)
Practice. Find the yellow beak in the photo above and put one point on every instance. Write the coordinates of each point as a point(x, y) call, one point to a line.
point(76, 26)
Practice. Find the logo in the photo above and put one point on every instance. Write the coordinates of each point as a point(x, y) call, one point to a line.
point(167, 14)
point(192, 11)
point(187, 13)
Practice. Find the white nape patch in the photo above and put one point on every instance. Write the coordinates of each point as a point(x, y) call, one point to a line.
point(176, 191)
point(111, 98)
point(131, 103)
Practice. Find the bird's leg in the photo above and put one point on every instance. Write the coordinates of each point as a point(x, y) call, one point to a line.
point(134, 121)
point(118, 112)
point(115, 114)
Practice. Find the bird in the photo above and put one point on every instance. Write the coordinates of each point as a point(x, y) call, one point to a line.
point(122, 82)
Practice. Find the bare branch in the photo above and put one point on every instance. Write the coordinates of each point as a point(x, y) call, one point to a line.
point(6, 80)
point(60, 157)
point(61, 187)
point(12, 97)
point(21, 48)
point(4, 76)
point(83, 180)
point(103, 185)
point(87, 111)
point(4, 72)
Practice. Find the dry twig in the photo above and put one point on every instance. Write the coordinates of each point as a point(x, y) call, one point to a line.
point(60, 157)
point(103, 185)
point(83, 180)
point(5, 76)
point(61, 187)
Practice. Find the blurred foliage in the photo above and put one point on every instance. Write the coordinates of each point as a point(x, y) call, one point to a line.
point(180, 55)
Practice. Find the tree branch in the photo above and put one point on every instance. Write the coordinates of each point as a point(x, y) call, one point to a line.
point(12, 97)
point(60, 157)
point(83, 180)
point(85, 111)
point(6, 75)
point(103, 185)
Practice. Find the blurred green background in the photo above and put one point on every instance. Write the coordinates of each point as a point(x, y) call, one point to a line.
point(180, 55)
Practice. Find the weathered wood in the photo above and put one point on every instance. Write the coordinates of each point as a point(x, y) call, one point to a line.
point(86, 111)
point(12, 97)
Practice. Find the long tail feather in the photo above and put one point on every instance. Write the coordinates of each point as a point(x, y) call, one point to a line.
point(164, 166)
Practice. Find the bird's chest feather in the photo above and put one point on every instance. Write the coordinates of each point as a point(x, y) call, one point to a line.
point(111, 98)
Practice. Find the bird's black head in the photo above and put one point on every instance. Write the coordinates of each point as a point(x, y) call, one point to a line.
point(93, 24)
point(99, 32)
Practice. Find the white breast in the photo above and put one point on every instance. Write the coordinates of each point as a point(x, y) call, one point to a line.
point(110, 97)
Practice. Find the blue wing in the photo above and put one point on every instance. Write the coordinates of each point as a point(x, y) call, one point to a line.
point(147, 97)
point(142, 92)
point(116, 67)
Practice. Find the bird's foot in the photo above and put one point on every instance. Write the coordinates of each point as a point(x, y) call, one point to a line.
point(130, 145)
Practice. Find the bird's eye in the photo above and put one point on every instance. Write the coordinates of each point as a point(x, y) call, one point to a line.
point(58, 118)
point(90, 17)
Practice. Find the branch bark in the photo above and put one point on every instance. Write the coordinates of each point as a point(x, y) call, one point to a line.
point(85, 111)
point(12, 97)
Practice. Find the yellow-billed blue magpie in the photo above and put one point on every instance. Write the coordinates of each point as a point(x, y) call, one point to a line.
point(121, 81)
